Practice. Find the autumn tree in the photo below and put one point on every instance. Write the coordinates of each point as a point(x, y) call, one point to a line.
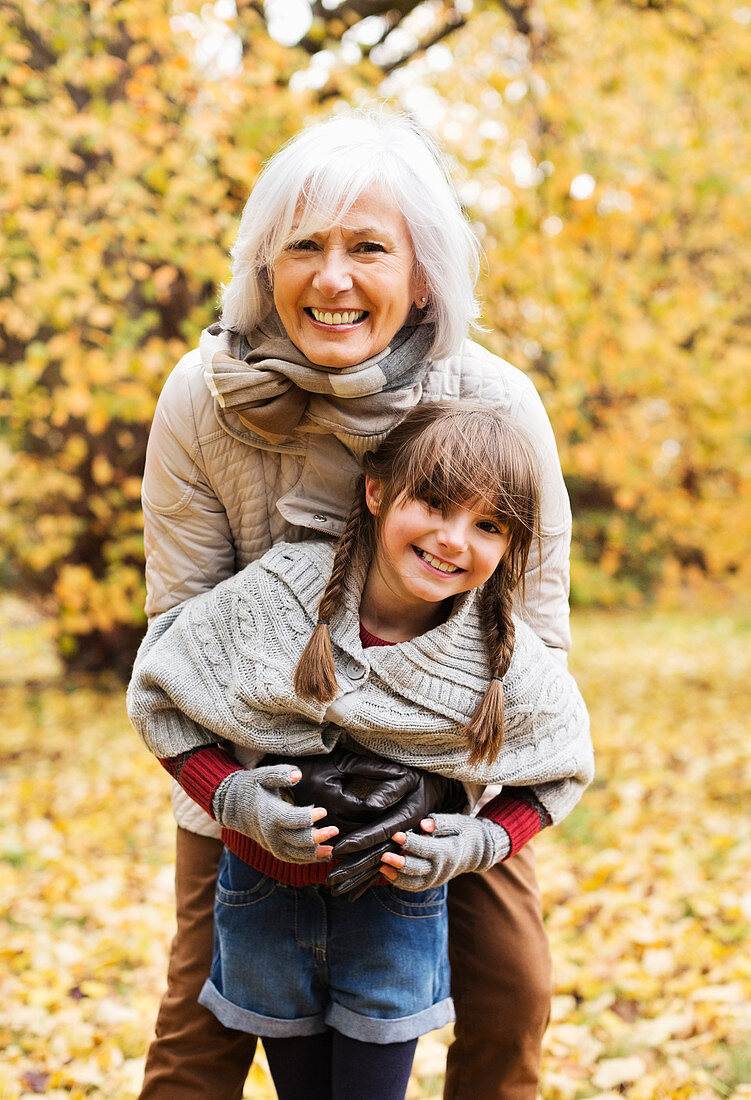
point(600, 149)
point(125, 165)
point(605, 165)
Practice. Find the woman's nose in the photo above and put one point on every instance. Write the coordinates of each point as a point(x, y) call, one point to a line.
point(333, 274)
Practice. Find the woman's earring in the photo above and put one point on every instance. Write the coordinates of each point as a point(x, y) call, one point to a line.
point(423, 300)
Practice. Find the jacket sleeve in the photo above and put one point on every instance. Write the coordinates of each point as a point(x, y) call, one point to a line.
point(187, 539)
point(545, 605)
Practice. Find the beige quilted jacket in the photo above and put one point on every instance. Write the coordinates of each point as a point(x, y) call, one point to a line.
point(213, 502)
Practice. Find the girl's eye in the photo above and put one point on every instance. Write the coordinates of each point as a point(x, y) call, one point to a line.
point(434, 503)
point(493, 527)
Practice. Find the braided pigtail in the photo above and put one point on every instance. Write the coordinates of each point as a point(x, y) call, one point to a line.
point(315, 675)
point(484, 731)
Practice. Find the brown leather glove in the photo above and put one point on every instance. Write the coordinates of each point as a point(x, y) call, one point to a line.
point(354, 788)
point(360, 852)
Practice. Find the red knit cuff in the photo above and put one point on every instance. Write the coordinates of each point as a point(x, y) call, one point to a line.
point(521, 817)
point(291, 874)
point(200, 771)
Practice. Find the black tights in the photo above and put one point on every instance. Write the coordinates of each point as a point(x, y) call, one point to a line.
point(331, 1066)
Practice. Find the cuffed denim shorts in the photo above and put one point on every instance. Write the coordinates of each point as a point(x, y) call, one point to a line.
point(295, 960)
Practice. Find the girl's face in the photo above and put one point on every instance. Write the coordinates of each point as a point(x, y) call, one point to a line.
point(424, 556)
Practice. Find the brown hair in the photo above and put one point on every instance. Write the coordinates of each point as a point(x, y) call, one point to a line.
point(453, 453)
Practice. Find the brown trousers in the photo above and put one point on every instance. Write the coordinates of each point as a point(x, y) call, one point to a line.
point(500, 981)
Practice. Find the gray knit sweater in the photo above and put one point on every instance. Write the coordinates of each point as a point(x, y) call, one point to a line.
point(221, 667)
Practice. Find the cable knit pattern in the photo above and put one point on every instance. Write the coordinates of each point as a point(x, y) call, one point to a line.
point(221, 667)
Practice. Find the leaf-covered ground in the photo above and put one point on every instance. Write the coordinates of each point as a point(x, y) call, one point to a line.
point(646, 885)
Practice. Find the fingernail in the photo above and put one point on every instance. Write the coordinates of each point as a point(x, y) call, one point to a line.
point(295, 776)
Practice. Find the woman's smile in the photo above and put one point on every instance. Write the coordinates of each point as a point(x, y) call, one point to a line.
point(339, 319)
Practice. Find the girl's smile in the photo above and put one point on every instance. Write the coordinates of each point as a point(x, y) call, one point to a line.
point(423, 557)
point(438, 565)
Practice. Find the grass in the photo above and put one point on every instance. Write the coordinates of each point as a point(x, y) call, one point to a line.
point(645, 886)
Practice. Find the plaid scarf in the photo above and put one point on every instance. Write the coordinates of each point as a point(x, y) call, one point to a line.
point(279, 394)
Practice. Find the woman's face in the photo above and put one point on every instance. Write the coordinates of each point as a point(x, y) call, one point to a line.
point(343, 293)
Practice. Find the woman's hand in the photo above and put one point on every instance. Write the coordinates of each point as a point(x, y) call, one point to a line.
point(359, 852)
point(450, 845)
point(354, 788)
point(431, 793)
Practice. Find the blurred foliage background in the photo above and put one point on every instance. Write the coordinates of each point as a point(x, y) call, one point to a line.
point(601, 149)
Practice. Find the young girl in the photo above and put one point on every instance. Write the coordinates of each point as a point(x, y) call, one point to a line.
point(400, 642)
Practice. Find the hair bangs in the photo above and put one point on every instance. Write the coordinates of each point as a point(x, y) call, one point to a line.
point(330, 192)
point(472, 458)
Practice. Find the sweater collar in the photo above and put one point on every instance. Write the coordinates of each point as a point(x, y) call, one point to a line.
point(426, 668)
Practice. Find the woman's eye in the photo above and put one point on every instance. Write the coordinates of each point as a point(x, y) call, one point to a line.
point(370, 246)
point(301, 246)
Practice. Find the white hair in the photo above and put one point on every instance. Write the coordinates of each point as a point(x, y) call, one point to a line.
point(328, 166)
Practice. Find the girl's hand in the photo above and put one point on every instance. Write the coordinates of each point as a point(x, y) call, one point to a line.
point(393, 859)
point(455, 845)
point(253, 802)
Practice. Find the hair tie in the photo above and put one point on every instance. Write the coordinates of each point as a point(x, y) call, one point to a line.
point(322, 622)
point(499, 678)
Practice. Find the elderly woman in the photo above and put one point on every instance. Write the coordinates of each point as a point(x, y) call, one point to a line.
point(350, 299)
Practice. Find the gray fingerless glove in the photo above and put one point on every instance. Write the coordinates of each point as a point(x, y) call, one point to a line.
point(249, 801)
point(459, 844)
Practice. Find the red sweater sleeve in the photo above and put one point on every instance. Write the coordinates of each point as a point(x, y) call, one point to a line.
point(200, 771)
point(517, 811)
